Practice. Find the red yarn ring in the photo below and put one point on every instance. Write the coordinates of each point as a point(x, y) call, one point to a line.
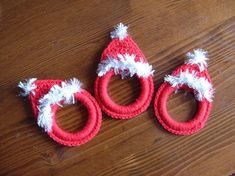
point(59, 135)
point(88, 132)
point(120, 111)
point(181, 128)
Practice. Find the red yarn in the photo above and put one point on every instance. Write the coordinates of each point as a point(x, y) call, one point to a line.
point(204, 106)
point(59, 135)
point(116, 46)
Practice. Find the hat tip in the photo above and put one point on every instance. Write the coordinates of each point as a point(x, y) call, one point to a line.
point(120, 32)
point(199, 57)
point(27, 86)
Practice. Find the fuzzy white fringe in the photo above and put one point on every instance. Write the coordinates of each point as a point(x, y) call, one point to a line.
point(125, 65)
point(120, 31)
point(27, 86)
point(203, 88)
point(56, 95)
point(199, 57)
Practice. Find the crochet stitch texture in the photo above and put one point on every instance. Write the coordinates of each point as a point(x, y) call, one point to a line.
point(191, 76)
point(47, 96)
point(123, 57)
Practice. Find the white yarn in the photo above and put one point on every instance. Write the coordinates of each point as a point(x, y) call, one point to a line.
point(45, 118)
point(199, 57)
point(203, 88)
point(57, 93)
point(120, 31)
point(69, 88)
point(27, 86)
point(125, 65)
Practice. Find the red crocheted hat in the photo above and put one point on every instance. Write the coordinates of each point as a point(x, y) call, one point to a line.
point(47, 95)
point(191, 76)
point(123, 57)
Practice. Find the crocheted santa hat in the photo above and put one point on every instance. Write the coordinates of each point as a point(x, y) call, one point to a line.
point(123, 57)
point(47, 95)
point(192, 76)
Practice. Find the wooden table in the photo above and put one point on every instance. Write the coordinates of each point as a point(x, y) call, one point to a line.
point(64, 39)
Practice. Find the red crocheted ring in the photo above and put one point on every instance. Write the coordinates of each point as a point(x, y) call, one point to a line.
point(123, 57)
point(47, 95)
point(191, 76)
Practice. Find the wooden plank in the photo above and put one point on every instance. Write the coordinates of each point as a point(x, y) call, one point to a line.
point(63, 39)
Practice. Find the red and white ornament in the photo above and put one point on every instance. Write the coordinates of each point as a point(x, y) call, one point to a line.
point(191, 76)
point(123, 57)
point(47, 95)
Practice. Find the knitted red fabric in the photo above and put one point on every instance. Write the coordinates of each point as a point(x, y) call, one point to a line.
point(204, 106)
point(114, 49)
point(42, 87)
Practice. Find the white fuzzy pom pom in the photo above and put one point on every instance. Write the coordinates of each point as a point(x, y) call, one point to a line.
point(120, 31)
point(27, 86)
point(199, 57)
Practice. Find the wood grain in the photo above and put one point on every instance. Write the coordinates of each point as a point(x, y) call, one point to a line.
point(64, 39)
